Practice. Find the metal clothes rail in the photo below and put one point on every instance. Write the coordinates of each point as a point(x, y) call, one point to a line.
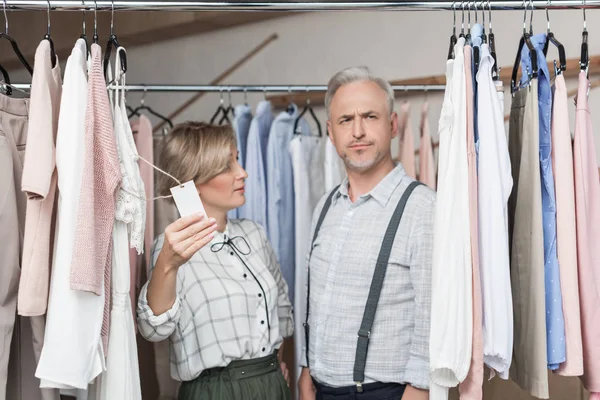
point(103, 5)
point(247, 88)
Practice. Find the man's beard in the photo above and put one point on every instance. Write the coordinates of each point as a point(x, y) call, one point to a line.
point(361, 165)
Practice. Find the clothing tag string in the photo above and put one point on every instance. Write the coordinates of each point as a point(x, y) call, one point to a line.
point(161, 171)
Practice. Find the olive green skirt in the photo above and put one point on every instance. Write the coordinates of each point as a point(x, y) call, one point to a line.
point(258, 379)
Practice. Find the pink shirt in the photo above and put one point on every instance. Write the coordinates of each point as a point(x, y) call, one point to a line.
point(472, 387)
point(426, 160)
point(39, 183)
point(407, 142)
point(92, 253)
point(566, 239)
point(587, 208)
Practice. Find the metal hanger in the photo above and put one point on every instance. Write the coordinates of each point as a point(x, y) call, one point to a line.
point(228, 110)
point(291, 107)
point(584, 61)
point(143, 106)
point(492, 44)
point(308, 108)
point(525, 40)
point(95, 37)
point(550, 38)
point(48, 38)
point(462, 20)
point(220, 110)
point(17, 51)
point(453, 38)
point(114, 42)
point(83, 32)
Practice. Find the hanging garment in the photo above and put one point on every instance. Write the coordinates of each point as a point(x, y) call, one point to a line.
point(71, 357)
point(122, 379)
point(22, 337)
point(241, 126)
point(256, 164)
point(142, 134)
point(39, 183)
point(307, 156)
point(566, 240)
point(494, 187)
point(526, 241)
point(587, 208)
point(334, 166)
point(92, 251)
point(407, 142)
point(555, 323)
point(472, 386)
point(450, 340)
point(280, 192)
point(426, 160)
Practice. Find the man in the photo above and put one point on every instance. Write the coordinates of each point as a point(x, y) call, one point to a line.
point(368, 337)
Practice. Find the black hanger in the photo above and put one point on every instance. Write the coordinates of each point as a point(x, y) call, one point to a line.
point(6, 79)
point(143, 106)
point(15, 47)
point(113, 41)
point(550, 38)
point(49, 39)
point(220, 110)
point(83, 34)
point(228, 110)
point(308, 108)
point(584, 61)
point(525, 40)
point(453, 38)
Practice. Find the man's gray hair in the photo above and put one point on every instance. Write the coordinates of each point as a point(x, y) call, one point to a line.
point(356, 74)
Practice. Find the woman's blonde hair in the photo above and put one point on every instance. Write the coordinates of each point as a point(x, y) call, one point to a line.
point(194, 151)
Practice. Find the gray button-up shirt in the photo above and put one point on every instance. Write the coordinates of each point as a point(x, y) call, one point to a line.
point(341, 270)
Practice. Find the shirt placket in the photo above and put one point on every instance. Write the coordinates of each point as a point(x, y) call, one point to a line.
point(341, 236)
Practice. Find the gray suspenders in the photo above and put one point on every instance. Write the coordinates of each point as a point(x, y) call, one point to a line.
point(364, 333)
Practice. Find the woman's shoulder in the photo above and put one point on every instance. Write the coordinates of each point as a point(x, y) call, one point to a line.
point(247, 228)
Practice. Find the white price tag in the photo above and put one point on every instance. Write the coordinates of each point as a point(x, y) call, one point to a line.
point(187, 199)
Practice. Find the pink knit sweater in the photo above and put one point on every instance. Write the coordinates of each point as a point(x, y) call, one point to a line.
point(92, 253)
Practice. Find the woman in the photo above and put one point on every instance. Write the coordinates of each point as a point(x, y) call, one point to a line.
point(216, 289)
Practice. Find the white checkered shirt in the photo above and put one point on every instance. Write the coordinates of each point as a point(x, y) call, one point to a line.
point(341, 270)
point(220, 313)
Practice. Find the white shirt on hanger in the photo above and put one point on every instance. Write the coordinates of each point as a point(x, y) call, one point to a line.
point(72, 355)
point(495, 185)
point(334, 166)
point(452, 293)
point(307, 154)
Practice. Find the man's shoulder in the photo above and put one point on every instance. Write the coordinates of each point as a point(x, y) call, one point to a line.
point(423, 197)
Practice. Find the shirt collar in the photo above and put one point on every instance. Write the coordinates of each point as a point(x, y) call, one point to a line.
point(262, 107)
point(382, 192)
point(222, 236)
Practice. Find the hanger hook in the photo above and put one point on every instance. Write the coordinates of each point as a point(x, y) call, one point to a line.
point(143, 100)
point(95, 22)
point(469, 15)
point(531, 17)
point(548, 17)
point(462, 23)
point(112, 17)
point(229, 94)
point(475, 8)
point(483, 14)
point(221, 101)
point(453, 13)
point(5, 19)
point(490, 14)
point(307, 96)
point(524, 17)
point(83, 26)
point(245, 95)
point(48, 18)
point(584, 18)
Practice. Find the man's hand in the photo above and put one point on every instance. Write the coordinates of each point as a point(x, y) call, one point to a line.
point(412, 393)
point(305, 385)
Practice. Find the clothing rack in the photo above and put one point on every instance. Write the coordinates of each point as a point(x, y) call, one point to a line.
point(118, 5)
point(245, 88)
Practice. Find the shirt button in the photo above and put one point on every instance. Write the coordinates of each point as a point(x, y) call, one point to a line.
point(245, 276)
point(264, 349)
point(262, 322)
point(231, 253)
point(260, 295)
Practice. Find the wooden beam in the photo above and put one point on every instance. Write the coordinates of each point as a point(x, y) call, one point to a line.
point(318, 99)
point(219, 79)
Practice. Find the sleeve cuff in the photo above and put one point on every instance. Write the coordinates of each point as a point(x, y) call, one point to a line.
point(145, 312)
point(302, 362)
point(417, 373)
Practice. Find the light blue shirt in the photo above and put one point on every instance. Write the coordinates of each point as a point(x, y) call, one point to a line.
point(241, 126)
point(256, 164)
point(280, 192)
point(555, 323)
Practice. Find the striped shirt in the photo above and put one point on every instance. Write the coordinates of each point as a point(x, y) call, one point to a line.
point(341, 269)
point(232, 303)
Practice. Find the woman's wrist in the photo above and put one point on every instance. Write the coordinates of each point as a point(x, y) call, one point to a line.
point(164, 265)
